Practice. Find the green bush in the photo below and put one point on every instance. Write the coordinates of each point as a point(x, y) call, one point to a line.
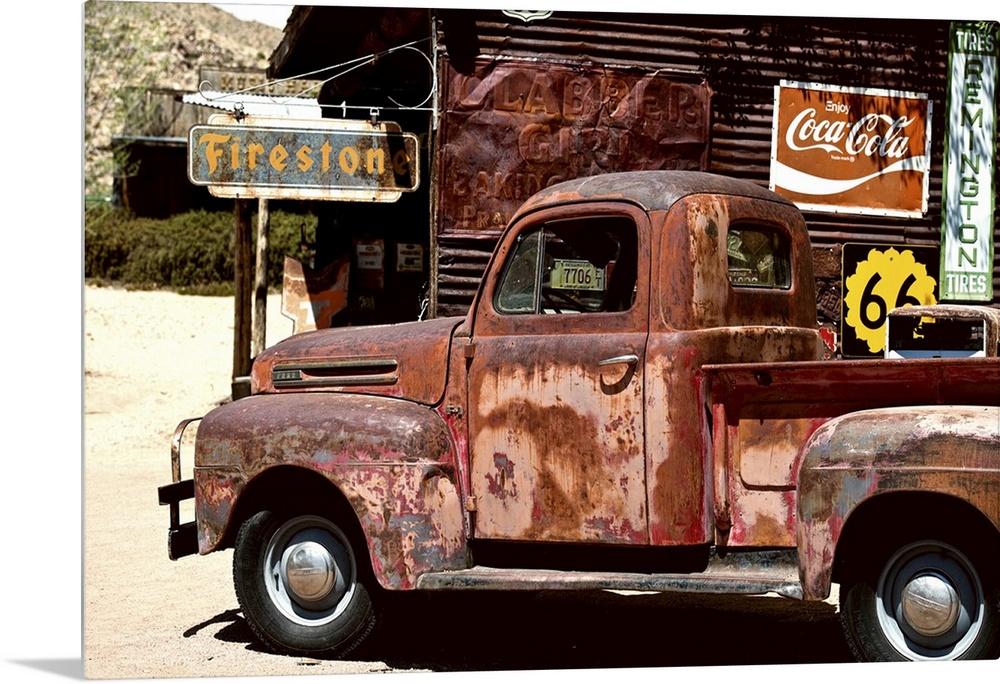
point(191, 252)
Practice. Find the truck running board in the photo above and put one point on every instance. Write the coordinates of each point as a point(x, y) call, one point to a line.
point(780, 580)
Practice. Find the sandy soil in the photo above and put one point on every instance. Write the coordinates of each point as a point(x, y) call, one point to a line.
point(150, 360)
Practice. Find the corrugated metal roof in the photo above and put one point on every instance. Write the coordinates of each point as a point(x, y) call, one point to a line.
point(257, 105)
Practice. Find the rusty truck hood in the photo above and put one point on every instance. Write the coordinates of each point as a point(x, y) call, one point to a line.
point(405, 360)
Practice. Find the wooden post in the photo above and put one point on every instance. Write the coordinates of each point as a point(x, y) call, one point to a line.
point(242, 283)
point(260, 279)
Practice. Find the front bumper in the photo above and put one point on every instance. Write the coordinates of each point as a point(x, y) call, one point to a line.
point(182, 538)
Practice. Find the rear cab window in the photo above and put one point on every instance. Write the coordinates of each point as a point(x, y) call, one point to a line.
point(758, 257)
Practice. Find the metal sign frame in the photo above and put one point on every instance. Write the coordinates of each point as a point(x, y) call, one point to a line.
point(848, 149)
point(968, 193)
point(257, 157)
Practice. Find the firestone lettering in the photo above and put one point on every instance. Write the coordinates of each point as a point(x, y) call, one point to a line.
point(349, 159)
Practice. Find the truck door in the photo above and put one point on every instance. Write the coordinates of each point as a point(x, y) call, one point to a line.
point(556, 380)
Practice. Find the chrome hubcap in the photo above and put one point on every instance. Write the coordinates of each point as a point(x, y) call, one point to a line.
point(929, 602)
point(309, 571)
point(930, 605)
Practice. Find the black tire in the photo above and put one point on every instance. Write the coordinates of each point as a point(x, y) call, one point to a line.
point(298, 582)
point(924, 599)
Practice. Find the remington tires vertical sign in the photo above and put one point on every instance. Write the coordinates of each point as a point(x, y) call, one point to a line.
point(968, 205)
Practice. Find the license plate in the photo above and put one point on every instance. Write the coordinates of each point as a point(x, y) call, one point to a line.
point(576, 274)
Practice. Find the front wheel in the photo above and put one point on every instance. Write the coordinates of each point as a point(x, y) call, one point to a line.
point(297, 581)
point(926, 600)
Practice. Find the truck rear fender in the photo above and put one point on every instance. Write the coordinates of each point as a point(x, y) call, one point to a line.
point(893, 461)
point(391, 461)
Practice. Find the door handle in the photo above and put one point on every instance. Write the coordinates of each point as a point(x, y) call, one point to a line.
point(630, 359)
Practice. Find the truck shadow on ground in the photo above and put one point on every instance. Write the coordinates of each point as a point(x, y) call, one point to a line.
point(556, 630)
point(484, 630)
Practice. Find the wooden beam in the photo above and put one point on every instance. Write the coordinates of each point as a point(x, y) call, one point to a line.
point(260, 279)
point(242, 284)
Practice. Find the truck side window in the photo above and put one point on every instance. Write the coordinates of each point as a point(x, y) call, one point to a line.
point(518, 293)
point(584, 265)
point(758, 257)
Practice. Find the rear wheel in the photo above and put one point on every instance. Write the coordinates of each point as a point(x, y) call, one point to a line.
point(298, 582)
point(924, 600)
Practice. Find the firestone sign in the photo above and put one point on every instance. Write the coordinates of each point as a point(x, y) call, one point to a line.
point(857, 150)
point(257, 157)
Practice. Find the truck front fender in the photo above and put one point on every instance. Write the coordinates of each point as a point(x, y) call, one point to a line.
point(392, 460)
point(948, 450)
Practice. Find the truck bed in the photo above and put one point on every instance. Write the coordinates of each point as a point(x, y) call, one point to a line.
point(763, 413)
point(811, 389)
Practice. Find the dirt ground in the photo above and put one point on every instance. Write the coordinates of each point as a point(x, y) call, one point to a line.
point(154, 358)
point(150, 360)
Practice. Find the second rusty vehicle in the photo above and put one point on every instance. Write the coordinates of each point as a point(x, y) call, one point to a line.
point(635, 400)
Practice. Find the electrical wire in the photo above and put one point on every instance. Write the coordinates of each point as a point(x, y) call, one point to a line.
point(207, 90)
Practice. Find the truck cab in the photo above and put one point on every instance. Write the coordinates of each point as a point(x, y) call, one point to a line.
point(584, 345)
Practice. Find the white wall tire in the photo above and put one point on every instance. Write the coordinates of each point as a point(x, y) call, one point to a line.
point(298, 582)
point(925, 600)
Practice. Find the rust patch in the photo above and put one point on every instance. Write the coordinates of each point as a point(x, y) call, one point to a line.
point(575, 491)
point(504, 475)
point(677, 496)
point(444, 510)
point(769, 449)
point(412, 519)
point(949, 450)
point(216, 491)
point(768, 531)
point(323, 361)
point(391, 459)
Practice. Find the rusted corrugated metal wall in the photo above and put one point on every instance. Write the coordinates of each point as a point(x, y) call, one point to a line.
point(743, 58)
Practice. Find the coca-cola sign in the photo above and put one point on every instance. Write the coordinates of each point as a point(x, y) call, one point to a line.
point(857, 150)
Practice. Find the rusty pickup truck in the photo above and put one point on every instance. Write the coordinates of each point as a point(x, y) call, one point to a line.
point(636, 400)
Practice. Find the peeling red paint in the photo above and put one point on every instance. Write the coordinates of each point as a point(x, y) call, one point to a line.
point(504, 475)
point(382, 454)
point(947, 450)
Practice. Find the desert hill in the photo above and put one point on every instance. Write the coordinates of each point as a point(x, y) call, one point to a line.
point(130, 47)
